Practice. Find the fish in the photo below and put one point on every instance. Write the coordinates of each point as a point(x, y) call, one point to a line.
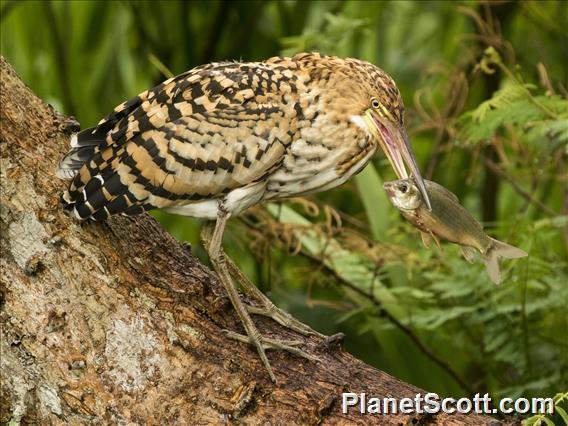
point(449, 220)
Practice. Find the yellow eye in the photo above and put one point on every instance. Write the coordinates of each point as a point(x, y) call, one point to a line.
point(375, 103)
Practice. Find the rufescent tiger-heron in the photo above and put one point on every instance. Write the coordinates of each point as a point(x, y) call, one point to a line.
point(222, 137)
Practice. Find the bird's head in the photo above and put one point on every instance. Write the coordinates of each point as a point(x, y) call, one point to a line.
point(382, 115)
point(370, 99)
point(384, 119)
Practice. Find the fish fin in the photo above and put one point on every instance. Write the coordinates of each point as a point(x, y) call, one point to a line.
point(436, 240)
point(426, 239)
point(506, 251)
point(445, 191)
point(496, 250)
point(468, 253)
point(492, 267)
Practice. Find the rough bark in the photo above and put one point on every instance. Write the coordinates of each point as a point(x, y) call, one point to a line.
point(117, 322)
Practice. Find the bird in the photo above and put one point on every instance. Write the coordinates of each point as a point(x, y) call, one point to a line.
point(225, 136)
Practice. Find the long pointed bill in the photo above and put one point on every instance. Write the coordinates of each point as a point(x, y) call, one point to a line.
point(395, 145)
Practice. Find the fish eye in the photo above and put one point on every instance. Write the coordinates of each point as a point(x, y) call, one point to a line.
point(403, 188)
point(375, 103)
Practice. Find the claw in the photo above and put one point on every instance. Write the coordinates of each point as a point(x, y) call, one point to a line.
point(334, 342)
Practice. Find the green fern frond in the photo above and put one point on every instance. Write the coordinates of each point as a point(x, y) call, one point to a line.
point(513, 106)
point(502, 98)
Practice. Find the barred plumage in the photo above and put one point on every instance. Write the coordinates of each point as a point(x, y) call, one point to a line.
point(224, 136)
point(224, 126)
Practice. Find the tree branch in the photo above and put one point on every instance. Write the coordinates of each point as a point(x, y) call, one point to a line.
point(494, 167)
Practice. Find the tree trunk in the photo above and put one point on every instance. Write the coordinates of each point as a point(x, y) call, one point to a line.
point(117, 322)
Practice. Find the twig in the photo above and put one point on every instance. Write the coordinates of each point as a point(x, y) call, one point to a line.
point(525, 321)
point(490, 186)
point(160, 66)
point(527, 196)
point(384, 313)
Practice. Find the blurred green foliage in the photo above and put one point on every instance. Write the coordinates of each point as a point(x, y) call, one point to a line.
point(485, 86)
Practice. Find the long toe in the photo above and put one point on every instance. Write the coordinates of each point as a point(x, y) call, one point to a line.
point(284, 319)
point(273, 344)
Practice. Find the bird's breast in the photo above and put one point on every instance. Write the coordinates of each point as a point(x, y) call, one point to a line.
point(326, 155)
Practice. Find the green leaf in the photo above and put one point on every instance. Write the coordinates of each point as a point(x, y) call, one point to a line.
point(502, 98)
point(351, 266)
point(562, 412)
point(375, 200)
point(532, 421)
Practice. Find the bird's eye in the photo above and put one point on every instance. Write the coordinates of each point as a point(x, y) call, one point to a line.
point(375, 103)
point(403, 188)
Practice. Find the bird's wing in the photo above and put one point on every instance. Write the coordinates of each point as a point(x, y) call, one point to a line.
point(198, 136)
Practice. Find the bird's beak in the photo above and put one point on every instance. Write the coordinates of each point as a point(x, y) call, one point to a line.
point(394, 143)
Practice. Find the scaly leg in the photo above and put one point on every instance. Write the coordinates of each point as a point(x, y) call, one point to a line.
point(268, 308)
point(219, 260)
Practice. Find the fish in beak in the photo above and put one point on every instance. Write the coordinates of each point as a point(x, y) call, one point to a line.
point(394, 143)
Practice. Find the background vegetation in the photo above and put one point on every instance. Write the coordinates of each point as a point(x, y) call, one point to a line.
point(485, 85)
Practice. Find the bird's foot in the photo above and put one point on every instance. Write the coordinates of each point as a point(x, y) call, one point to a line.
point(267, 343)
point(224, 267)
point(269, 309)
point(283, 318)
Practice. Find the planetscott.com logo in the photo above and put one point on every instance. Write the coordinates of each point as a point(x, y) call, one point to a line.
point(432, 403)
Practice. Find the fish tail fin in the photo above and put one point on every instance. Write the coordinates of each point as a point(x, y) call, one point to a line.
point(492, 266)
point(499, 249)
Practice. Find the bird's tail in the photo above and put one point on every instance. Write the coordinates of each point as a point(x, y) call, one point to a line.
point(83, 147)
point(499, 249)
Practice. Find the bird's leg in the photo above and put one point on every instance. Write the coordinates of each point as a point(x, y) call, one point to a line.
point(267, 309)
point(219, 260)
